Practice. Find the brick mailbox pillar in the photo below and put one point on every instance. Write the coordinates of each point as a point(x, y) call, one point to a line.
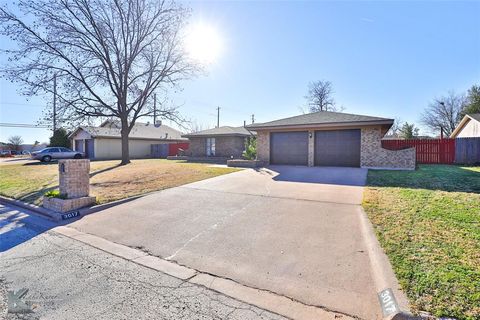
point(74, 178)
point(74, 185)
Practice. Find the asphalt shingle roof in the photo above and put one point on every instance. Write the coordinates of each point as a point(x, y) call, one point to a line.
point(221, 131)
point(475, 116)
point(139, 131)
point(322, 117)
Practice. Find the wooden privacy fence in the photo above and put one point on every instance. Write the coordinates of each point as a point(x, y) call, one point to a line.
point(467, 150)
point(163, 150)
point(427, 150)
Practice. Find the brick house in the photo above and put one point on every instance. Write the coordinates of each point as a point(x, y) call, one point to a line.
point(221, 142)
point(329, 139)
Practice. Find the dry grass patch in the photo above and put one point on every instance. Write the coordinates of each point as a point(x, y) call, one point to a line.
point(109, 181)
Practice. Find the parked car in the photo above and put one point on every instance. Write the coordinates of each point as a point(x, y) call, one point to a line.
point(50, 153)
point(8, 153)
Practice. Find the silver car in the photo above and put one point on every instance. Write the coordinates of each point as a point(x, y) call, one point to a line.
point(48, 154)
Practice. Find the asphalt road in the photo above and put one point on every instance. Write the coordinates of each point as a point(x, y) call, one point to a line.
point(67, 279)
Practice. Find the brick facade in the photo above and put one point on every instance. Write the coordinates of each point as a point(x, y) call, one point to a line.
point(226, 146)
point(374, 156)
point(263, 146)
point(74, 177)
point(311, 148)
point(65, 205)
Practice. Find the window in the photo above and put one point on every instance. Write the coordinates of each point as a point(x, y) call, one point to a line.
point(210, 147)
point(65, 150)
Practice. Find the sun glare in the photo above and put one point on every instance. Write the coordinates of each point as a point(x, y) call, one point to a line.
point(203, 43)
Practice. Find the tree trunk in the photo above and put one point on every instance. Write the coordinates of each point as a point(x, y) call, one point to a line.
point(125, 152)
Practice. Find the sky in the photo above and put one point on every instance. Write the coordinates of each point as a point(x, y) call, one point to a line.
point(384, 58)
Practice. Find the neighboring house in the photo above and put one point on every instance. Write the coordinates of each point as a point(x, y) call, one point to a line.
point(104, 142)
point(225, 142)
point(329, 139)
point(468, 127)
point(32, 148)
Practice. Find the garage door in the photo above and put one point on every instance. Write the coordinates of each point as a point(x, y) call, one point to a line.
point(337, 148)
point(289, 148)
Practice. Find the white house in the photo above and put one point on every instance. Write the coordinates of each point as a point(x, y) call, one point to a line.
point(104, 142)
point(468, 127)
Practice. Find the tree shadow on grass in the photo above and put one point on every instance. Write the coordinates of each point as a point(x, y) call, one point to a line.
point(450, 178)
point(36, 196)
point(93, 174)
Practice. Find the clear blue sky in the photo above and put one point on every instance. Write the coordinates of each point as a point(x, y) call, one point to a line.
point(384, 59)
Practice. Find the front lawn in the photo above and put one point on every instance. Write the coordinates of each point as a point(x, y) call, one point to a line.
point(109, 181)
point(428, 222)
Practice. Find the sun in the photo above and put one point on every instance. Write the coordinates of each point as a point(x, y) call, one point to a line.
point(203, 43)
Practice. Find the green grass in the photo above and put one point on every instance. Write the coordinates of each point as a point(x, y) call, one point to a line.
point(428, 222)
point(108, 180)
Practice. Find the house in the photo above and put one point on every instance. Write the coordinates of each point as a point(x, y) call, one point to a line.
point(223, 142)
point(104, 142)
point(329, 139)
point(468, 127)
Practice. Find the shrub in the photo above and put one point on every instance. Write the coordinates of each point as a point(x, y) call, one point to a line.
point(250, 152)
point(54, 194)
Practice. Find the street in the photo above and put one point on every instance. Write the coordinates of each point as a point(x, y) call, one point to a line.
point(67, 279)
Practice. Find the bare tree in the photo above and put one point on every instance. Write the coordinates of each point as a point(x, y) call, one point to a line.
point(395, 128)
point(14, 142)
point(108, 56)
point(444, 113)
point(320, 96)
point(195, 126)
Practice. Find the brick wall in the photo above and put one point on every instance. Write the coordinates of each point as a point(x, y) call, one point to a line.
point(74, 179)
point(224, 146)
point(197, 147)
point(65, 205)
point(374, 156)
point(311, 148)
point(263, 146)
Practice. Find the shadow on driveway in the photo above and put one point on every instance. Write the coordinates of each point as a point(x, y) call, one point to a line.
point(343, 176)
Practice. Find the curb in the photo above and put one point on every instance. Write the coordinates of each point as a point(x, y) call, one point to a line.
point(264, 299)
point(393, 302)
point(45, 213)
point(58, 216)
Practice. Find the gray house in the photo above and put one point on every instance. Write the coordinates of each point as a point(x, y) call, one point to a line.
point(222, 142)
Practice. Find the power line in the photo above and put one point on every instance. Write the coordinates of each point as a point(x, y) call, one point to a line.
point(24, 125)
point(21, 104)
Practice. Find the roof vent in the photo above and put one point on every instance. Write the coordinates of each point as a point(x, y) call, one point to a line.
point(158, 123)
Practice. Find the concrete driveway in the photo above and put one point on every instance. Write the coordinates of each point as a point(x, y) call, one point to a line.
point(291, 230)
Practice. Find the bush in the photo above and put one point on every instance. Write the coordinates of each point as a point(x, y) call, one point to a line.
point(250, 152)
point(54, 194)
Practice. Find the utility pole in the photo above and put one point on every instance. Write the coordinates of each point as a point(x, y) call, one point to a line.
point(218, 117)
point(253, 118)
point(155, 109)
point(54, 103)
